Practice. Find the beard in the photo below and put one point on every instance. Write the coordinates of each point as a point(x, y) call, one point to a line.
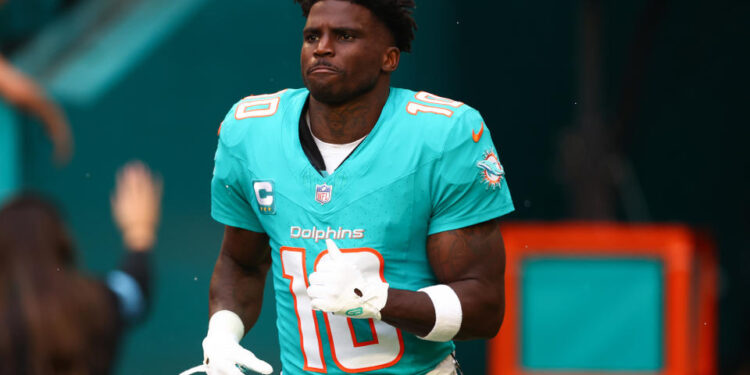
point(337, 92)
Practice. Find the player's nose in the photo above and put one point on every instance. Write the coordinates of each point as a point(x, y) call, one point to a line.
point(325, 46)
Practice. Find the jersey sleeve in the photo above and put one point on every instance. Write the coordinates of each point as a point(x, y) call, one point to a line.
point(468, 182)
point(230, 203)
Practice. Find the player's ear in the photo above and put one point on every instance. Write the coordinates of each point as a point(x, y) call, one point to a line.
point(390, 59)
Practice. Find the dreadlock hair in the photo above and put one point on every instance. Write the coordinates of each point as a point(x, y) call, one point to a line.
point(395, 14)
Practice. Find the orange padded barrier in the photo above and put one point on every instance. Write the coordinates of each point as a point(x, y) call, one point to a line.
point(689, 269)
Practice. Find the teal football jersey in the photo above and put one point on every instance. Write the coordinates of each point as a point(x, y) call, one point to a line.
point(428, 165)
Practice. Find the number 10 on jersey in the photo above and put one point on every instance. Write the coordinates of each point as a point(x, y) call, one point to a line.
point(384, 349)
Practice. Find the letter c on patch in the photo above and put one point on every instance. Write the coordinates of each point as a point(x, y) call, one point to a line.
point(264, 192)
point(264, 196)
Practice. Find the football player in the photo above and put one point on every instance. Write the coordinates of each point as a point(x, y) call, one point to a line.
point(374, 207)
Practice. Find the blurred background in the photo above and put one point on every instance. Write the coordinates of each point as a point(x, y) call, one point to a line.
point(602, 111)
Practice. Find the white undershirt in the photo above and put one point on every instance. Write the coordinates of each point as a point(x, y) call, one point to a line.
point(333, 154)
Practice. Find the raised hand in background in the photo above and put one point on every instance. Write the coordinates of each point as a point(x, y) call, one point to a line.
point(136, 205)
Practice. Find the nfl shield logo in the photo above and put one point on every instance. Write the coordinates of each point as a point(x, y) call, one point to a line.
point(323, 193)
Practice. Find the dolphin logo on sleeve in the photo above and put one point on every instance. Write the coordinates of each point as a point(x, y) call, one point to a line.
point(491, 171)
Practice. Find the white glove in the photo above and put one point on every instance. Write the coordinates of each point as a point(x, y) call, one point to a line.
point(222, 352)
point(338, 286)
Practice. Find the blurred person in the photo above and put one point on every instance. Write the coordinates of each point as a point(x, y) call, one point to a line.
point(409, 184)
point(56, 319)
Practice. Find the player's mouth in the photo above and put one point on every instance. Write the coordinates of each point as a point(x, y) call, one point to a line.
point(322, 68)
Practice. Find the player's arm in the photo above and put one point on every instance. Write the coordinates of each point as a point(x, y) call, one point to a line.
point(466, 303)
point(471, 261)
point(239, 277)
point(235, 299)
point(240, 274)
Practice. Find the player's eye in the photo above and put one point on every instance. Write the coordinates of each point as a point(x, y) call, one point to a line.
point(311, 38)
point(346, 37)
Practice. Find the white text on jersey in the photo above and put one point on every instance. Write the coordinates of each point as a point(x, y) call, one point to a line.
point(321, 234)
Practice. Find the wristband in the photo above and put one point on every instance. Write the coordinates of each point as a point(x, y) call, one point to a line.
point(226, 323)
point(448, 314)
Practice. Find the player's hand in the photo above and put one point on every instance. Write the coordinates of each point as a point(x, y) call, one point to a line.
point(225, 356)
point(339, 287)
point(222, 352)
